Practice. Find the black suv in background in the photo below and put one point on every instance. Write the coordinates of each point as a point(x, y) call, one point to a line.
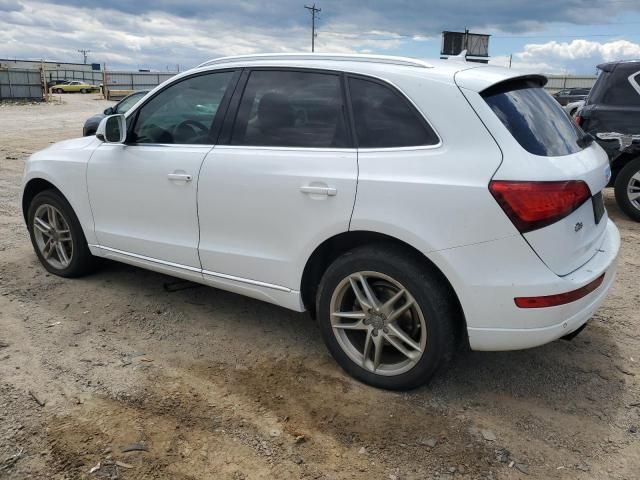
point(611, 115)
point(568, 95)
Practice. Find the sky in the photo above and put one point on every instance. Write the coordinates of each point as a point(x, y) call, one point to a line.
point(550, 36)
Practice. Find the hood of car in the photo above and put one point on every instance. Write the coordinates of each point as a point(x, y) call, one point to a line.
point(74, 143)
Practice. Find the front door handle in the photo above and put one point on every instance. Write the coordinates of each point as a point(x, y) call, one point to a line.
point(180, 177)
point(317, 190)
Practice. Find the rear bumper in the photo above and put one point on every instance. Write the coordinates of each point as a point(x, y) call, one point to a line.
point(564, 319)
point(502, 270)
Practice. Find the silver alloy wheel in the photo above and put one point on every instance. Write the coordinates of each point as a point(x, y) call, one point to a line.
point(633, 190)
point(53, 236)
point(377, 323)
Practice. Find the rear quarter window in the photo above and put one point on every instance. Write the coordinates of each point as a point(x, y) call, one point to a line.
point(385, 119)
point(534, 118)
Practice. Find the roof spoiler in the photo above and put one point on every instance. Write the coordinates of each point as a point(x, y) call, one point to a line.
point(532, 80)
point(606, 67)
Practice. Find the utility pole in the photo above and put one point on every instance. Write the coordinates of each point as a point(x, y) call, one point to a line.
point(84, 53)
point(510, 58)
point(314, 11)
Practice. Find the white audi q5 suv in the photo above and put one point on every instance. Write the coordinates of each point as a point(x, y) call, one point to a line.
point(412, 207)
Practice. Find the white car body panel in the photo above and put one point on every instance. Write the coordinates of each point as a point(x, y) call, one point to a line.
point(562, 246)
point(271, 227)
point(574, 108)
point(242, 224)
point(64, 165)
point(138, 209)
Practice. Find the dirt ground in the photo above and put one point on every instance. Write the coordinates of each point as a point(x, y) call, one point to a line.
point(213, 385)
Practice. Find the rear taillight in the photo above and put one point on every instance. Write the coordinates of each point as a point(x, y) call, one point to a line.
point(533, 205)
point(579, 120)
point(559, 298)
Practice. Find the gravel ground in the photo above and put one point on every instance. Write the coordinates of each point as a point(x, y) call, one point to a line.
point(214, 385)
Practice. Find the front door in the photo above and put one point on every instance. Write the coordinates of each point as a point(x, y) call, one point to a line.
point(284, 180)
point(143, 193)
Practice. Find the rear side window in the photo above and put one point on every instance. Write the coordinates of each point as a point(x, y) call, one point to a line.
point(617, 87)
point(291, 109)
point(534, 118)
point(384, 118)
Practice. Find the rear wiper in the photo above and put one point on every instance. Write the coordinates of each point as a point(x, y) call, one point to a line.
point(585, 140)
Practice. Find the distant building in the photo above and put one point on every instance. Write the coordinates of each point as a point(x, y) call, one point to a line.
point(36, 64)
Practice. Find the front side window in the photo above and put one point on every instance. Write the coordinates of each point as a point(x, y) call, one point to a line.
point(534, 118)
point(385, 119)
point(183, 113)
point(291, 109)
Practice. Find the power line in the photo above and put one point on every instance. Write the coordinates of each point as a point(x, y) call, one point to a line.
point(399, 36)
point(314, 11)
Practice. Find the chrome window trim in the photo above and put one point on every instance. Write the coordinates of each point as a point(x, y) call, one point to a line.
point(271, 148)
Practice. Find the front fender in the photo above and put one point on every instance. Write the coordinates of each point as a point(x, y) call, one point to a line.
point(66, 170)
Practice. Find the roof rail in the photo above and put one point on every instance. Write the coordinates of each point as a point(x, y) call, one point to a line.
point(345, 57)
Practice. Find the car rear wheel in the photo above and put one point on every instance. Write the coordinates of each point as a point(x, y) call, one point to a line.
point(387, 320)
point(57, 236)
point(58, 90)
point(83, 90)
point(627, 189)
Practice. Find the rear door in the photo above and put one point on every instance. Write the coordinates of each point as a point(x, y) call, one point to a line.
point(282, 179)
point(540, 143)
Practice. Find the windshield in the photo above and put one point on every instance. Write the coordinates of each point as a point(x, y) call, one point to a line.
point(534, 119)
point(129, 102)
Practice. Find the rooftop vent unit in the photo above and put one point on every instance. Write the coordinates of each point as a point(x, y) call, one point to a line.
point(476, 45)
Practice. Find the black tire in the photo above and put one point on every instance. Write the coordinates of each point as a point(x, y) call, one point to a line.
point(83, 90)
point(81, 260)
point(59, 90)
point(428, 289)
point(621, 189)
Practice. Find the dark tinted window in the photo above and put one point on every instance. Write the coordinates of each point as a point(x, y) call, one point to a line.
point(291, 109)
point(384, 118)
point(184, 112)
point(614, 88)
point(535, 119)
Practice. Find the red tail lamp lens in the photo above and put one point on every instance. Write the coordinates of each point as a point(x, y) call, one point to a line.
point(533, 205)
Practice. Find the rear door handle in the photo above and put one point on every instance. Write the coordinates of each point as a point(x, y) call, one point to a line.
point(315, 190)
point(179, 177)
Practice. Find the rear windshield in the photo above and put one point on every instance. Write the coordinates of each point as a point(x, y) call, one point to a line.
point(534, 118)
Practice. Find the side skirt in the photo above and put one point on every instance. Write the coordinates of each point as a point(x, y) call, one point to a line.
point(276, 294)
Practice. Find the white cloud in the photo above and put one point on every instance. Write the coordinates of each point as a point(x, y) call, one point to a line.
point(577, 56)
point(157, 39)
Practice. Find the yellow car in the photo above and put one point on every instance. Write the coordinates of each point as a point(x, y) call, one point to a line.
point(74, 86)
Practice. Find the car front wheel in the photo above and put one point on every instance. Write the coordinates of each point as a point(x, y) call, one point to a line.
point(57, 236)
point(385, 318)
point(627, 189)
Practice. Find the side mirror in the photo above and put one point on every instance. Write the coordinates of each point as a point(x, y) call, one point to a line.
point(112, 129)
point(108, 111)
